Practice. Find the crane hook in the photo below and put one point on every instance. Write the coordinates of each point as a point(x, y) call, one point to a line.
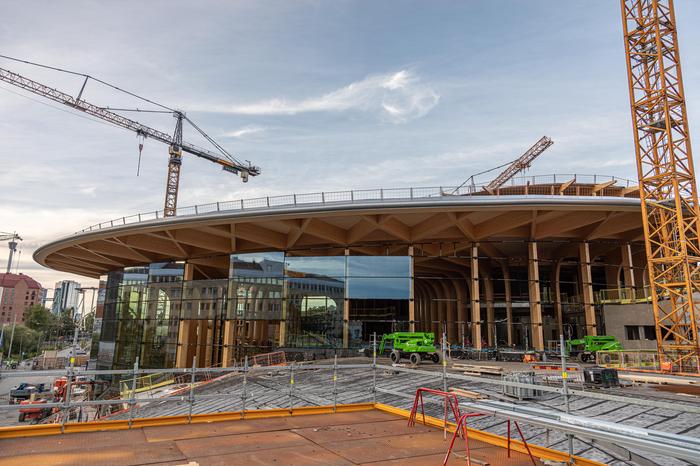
point(141, 139)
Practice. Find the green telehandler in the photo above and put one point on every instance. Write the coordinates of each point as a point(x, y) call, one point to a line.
point(416, 346)
point(584, 349)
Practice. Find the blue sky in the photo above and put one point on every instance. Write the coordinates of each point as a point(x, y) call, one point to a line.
point(323, 95)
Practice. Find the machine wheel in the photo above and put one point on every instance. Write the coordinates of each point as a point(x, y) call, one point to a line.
point(368, 352)
point(415, 359)
point(582, 357)
point(21, 417)
point(435, 357)
point(395, 357)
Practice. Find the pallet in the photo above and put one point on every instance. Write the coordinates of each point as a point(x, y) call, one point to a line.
point(474, 369)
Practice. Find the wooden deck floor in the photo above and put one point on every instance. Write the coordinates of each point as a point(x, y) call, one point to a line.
point(364, 437)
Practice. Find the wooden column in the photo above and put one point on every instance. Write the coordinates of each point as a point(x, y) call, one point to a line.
point(186, 341)
point(461, 308)
point(627, 266)
point(533, 279)
point(285, 307)
point(202, 333)
point(509, 303)
point(228, 353)
point(346, 306)
point(474, 294)
point(556, 279)
point(412, 294)
point(187, 328)
point(587, 288)
point(490, 311)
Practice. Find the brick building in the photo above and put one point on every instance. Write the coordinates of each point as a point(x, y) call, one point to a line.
point(18, 292)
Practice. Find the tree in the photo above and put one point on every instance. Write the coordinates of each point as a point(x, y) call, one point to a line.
point(66, 323)
point(25, 340)
point(89, 322)
point(40, 319)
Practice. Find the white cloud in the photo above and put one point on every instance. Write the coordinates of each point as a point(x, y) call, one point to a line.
point(396, 97)
point(245, 131)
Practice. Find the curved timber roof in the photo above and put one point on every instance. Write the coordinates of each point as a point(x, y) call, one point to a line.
point(557, 213)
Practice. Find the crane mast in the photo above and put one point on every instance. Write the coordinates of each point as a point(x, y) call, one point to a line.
point(11, 239)
point(175, 143)
point(668, 192)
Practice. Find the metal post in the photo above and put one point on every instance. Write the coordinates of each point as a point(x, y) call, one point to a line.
point(245, 387)
point(564, 379)
point(191, 398)
point(291, 388)
point(335, 380)
point(69, 381)
point(444, 361)
point(374, 367)
point(132, 397)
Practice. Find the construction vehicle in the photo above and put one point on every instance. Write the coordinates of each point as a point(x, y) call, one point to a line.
point(81, 386)
point(35, 413)
point(176, 146)
point(416, 346)
point(25, 390)
point(584, 349)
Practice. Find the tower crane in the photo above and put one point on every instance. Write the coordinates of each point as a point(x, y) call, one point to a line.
point(520, 164)
point(669, 198)
point(11, 239)
point(176, 146)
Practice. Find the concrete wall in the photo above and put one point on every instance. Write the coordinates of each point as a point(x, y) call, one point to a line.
point(618, 315)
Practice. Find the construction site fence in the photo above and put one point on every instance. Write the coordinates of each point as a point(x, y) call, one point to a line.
point(365, 195)
point(186, 390)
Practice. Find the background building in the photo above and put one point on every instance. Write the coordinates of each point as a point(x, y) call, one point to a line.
point(66, 295)
point(18, 292)
point(517, 266)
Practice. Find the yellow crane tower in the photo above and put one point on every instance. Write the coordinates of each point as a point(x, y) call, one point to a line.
point(668, 191)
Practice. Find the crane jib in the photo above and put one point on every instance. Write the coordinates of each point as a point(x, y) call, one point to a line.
point(35, 87)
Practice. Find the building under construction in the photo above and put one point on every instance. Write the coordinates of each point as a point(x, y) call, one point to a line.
point(515, 266)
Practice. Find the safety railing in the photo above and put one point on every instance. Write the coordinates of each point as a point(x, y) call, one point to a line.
point(145, 383)
point(623, 296)
point(363, 195)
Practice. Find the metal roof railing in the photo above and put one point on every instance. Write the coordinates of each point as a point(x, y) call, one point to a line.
point(353, 196)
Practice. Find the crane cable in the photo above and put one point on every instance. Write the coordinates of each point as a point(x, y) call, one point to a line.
point(87, 76)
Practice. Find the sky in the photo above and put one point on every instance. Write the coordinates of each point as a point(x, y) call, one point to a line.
point(322, 95)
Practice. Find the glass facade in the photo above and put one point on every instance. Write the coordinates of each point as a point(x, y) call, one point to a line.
point(268, 301)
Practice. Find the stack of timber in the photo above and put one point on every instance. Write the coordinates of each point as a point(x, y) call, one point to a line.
point(471, 369)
